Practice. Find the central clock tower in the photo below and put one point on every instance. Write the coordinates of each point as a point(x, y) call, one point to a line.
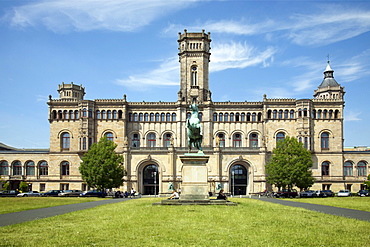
point(194, 58)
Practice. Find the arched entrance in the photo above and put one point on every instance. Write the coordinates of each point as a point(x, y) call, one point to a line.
point(150, 180)
point(238, 179)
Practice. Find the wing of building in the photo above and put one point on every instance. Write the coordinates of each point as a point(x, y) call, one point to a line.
point(238, 136)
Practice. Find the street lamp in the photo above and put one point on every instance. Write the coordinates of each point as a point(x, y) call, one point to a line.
point(233, 179)
point(155, 184)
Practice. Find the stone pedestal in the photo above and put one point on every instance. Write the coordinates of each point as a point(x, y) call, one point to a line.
point(194, 177)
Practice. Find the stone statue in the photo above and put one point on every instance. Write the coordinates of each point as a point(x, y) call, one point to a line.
point(195, 132)
point(170, 186)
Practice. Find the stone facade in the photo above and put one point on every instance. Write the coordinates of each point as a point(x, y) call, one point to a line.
point(238, 137)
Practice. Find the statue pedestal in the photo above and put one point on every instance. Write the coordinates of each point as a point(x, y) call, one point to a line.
point(194, 177)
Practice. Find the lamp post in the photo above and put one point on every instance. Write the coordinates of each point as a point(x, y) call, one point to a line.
point(233, 183)
point(155, 184)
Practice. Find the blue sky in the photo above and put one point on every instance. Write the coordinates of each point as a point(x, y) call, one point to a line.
point(116, 47)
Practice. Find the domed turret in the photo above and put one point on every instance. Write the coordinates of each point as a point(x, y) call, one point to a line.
point(329, 87)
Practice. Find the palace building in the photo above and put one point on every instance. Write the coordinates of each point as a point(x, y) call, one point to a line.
point(238, 136)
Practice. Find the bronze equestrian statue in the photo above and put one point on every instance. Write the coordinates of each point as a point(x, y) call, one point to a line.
point(195, 131)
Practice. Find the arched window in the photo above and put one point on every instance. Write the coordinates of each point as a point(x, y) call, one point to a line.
point(151, 140)
point(348, 169)
point(268, 114)
point(151, 117)
point(30, 168)
point(71, 114)
point(146, 117)
point(319, 114)
point(220, 117)
point(188, 115)
point(239, 180)
point(237, 117)
point(325, 140)
point(242, 117)
point(237, 140)
point(76, 114)
point(114, 114)
point(109, 136)
point(286, 114)
point(90, 113)
point(253, 140)
point(135, 117)
point(254, 117)
point(200, 116)
point(291, 114)
point(214, 117)
point(259, 116)
point(226, 117)
point(135, 141)
point(84, 112)
point(232, 117)
point(64, 168)
point(280, 114)
point(194, 75)
point(150, 180)
point(274, 114)
point(98, 114)
point(361, 168)
point(65, 138)
point(60, 114)
point(248, 117)
point(313, 114)
point(109, 114)
point(173, 117)
point(221, 139)
point(325, 168)
point(280, 136)
point(157, 117)
point(103, 115)
point(120, 113)
point(167, 140)
point(4, 168)
point(330, 114)
point(163, 117)
point(141, 117)
point(325, 114)
point(17, 168)
point(168, 117)
point(43, 168)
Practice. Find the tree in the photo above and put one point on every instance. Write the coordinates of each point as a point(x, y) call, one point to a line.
point(290, 165)
point(102, 167)
point(23, 186)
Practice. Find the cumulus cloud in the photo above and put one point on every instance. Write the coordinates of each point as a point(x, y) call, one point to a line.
point(116, 15)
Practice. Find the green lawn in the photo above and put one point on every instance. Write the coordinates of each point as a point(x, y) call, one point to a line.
point(16, 204)
point(138, 223)
point(354, 202)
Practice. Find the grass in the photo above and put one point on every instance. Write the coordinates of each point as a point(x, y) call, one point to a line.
point(354, 202)
point(138, 223)
point(16, 204)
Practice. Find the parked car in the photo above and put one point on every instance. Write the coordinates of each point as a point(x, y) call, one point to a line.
point(9, 193)
point(320, 193)
point(51, 193)
point(285, 193)
point(29, 193)
point(363, 193)
point(343, 193)
point(328, 193)
point(92, 193)
point(307, 193)
point(67, 193)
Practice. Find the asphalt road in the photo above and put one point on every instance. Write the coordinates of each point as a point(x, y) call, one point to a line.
point(19, 217)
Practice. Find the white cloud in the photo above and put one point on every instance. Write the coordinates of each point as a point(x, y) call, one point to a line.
point(117, 15)
point(352, 115)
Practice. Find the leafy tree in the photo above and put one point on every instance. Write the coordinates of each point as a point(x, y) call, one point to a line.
point(6, 186)
point(290, 165)
point(23, 186)
point(368, 182)
point(102, 167)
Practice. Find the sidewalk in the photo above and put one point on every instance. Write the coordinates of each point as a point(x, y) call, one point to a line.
point(344, 212)
point(34, 214)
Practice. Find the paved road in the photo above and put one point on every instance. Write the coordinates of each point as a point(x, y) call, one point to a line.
point(19, 217)
point(344, 212)
point(34, 214)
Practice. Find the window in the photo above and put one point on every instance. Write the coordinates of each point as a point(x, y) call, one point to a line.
point(151, 117)
point(135, 117)
point(200, 116)
point(214, 117)
point(305, 144)
point(168, 117)
point(242, 117)
point(65, 140)
point(114, 114)
point(280, 137)
point(157, 117)
point(253, 140)
point(237, 140)
point(361, 168)
point(30, 168)
point(4, 166)
point(146, 117)
point(232, 119)
point(71, 114)
point(44, 168)
point(90, 113)
point(226, 117)
point(167, 140)
point(109, 136)
point(65, 168)
point(280, 114)
point(291, 114)
point(237, 117)
point(173, 117)
point(103, 115)
point(140, 117)
point(17, 168)
point(220, 117)
point(325, 169)
point(84, 143)
point(274, 114)
point(253, 117)
point(151, 140)
point(162, 117)
point(221, 139)
point(135, 142)
point(194, 76)
point(84, 112)
point(109, 114)
point(325, 140)
point(286, 113)
point(348, 169)
point(64, 186)
point(42, 187)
